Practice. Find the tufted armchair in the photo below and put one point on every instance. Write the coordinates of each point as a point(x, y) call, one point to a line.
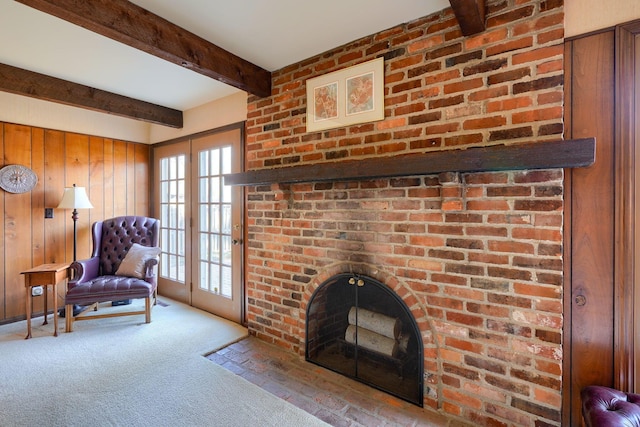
point(122, 266)
point(607, 407)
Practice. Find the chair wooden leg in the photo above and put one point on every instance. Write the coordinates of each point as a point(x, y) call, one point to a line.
point(147, 309)
point(68, 316)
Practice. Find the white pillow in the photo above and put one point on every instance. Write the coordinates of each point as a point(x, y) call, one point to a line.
point(133, 263)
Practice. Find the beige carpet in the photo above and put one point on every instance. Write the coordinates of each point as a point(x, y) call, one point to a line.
point(123, 372)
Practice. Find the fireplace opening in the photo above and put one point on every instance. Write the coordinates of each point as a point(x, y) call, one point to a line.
point(360, 328)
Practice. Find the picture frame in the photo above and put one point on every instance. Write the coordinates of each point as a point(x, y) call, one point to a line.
point(346, 97)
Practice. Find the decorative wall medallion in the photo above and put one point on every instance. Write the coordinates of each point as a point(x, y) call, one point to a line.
point(17, 179)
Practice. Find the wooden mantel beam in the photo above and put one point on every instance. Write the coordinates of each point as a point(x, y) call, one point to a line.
point(470, 15)
point(132, 25)
point(28, 83)
point(532, 155)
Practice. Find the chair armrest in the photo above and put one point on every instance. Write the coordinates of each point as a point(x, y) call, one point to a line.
point(149, 270)
point(84, 270)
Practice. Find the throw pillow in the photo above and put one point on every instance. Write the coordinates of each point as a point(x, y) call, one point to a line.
point(133, 263)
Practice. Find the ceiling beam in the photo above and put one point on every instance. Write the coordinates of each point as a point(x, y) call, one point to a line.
point(132, 25)
point(470, 15)
point(35, 85)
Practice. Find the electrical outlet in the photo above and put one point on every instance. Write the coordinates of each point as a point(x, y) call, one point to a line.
point(48, 212)
point(36, 291)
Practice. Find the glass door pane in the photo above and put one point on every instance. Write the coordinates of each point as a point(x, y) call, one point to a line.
point(172, 207)
point(217, 225)
point(215, 222)
point(172, 221)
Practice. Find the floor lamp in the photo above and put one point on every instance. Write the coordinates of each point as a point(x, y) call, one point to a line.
point(74, 198)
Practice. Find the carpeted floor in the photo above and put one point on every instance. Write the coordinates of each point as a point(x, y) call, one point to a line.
point(123, 372)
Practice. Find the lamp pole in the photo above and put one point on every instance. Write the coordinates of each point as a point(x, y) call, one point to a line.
point(74, 198)
point(74, 216)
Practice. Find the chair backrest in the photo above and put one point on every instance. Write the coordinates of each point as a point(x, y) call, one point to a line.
point(112, 239)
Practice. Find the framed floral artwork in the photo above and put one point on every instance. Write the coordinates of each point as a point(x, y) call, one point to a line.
point(345, 97)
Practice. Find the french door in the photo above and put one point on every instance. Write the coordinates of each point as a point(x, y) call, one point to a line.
point(201, 222)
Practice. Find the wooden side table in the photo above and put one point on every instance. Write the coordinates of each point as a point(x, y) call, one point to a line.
point(45, 275)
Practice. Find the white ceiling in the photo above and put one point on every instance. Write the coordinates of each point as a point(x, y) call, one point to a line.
point(269, 33)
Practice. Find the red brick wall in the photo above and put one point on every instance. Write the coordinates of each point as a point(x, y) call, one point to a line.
point(476, 257)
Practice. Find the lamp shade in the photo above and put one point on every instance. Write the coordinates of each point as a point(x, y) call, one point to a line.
point(75, 198)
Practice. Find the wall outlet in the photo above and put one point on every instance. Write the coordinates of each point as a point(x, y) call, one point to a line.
point(36, 291)
point(48, 212)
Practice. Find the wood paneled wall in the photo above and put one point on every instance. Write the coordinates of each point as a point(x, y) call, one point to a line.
point(602, 216)
point(115, 173)
point(590, 222)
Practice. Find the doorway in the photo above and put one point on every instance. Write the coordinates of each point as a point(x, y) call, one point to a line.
point(201, 222)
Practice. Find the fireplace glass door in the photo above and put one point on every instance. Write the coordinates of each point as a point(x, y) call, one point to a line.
point(360, 328)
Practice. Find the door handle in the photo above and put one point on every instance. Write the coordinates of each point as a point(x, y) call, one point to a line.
point(353, 281)
point(236, 241)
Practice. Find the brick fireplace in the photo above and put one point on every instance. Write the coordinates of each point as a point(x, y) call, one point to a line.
point(476, 257)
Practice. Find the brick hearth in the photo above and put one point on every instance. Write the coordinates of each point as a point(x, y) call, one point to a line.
point(333, 398)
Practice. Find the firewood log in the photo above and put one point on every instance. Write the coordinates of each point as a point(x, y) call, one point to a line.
point(371, 340)
point(390, 327)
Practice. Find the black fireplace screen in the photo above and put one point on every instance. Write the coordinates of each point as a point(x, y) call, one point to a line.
point(360, 328)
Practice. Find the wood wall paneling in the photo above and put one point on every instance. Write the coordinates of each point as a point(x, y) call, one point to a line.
point(77, 172)
point(115, 174)
point(3, 277)
point(131, 182)
point(590, 232)
point(627, 137)
point(567, 402)
point(96, 177)
point(636, 218)
point(17, 224)
point(108, 196)
point(53, 177)
point(119, 177)
point(142, 164)
point(37, 205)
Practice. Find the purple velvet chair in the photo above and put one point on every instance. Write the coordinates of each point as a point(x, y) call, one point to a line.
point(105, 277)
point(607, 407)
